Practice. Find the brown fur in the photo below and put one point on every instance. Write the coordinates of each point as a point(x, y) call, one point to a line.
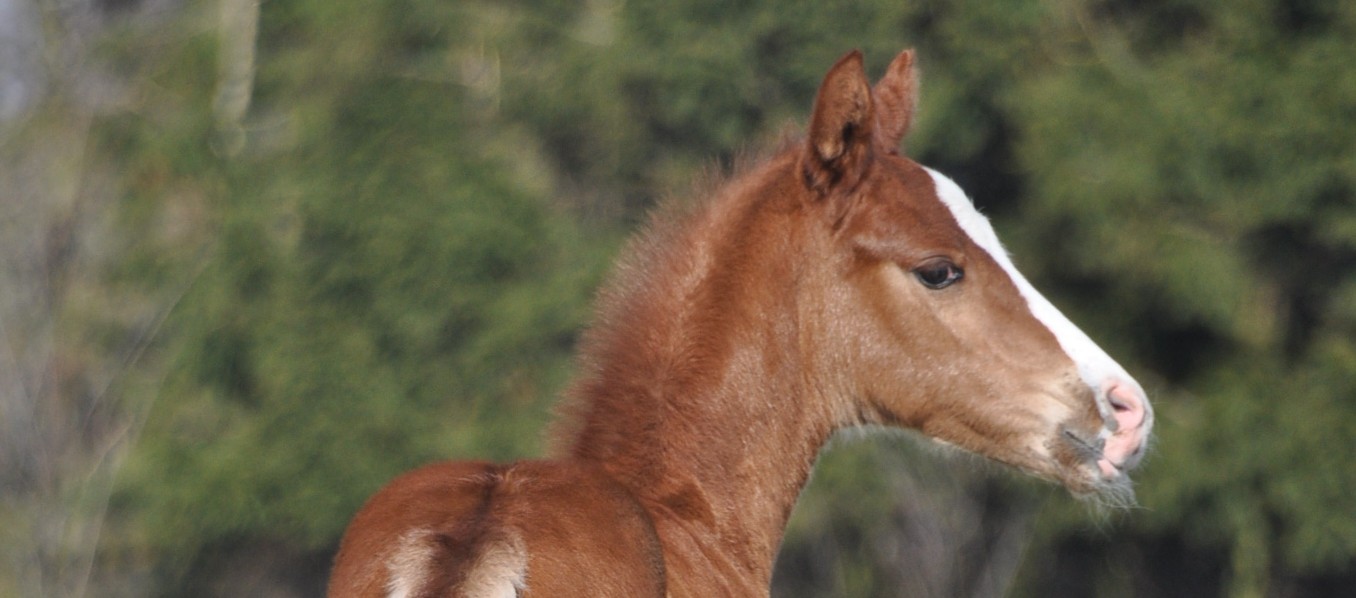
point(731, 343)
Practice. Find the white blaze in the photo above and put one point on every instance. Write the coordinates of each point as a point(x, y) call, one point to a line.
point(1095, 367)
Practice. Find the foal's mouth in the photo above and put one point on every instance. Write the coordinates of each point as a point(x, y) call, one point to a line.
point(1086, 469)
point(1088, 451)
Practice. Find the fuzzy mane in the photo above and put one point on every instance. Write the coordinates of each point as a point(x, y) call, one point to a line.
point(644, 341)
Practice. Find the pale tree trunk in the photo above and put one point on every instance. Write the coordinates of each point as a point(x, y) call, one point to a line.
point(71, 343)
point(42, 225)
point(235, 81)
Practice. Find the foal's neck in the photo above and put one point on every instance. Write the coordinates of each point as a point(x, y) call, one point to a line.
point(699, 397)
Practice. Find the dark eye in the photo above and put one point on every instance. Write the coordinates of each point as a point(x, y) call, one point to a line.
point(938, 274)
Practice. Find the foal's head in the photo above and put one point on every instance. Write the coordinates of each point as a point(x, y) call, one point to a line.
point(931, 325)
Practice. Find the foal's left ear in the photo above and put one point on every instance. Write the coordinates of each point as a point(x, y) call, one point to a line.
point(838, 149)
point(896, 98)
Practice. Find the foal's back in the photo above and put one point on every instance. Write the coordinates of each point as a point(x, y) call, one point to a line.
point(476, 529)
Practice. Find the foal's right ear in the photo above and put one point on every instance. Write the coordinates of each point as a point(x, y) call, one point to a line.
point(838, 148)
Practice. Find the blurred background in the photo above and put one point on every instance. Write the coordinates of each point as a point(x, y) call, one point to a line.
point(256, 258)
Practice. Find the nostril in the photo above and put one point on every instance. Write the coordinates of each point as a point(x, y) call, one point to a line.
point(1130, 420)
point(1127, 405)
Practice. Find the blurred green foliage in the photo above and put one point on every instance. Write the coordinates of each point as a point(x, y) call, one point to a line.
point(388, 261)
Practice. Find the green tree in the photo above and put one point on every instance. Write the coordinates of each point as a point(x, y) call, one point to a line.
point(385, 285)
point(1193, 164)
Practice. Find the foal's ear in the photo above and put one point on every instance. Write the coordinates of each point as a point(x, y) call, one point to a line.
point(896, 97)
point(838, 149)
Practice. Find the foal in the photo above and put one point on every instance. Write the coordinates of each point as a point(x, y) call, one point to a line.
point(837, 284)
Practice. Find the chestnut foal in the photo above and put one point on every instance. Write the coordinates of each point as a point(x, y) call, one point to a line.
point(837, 284)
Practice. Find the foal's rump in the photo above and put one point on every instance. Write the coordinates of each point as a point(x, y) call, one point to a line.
point(478, 529)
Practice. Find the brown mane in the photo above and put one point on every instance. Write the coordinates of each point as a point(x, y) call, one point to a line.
point(658, 273)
